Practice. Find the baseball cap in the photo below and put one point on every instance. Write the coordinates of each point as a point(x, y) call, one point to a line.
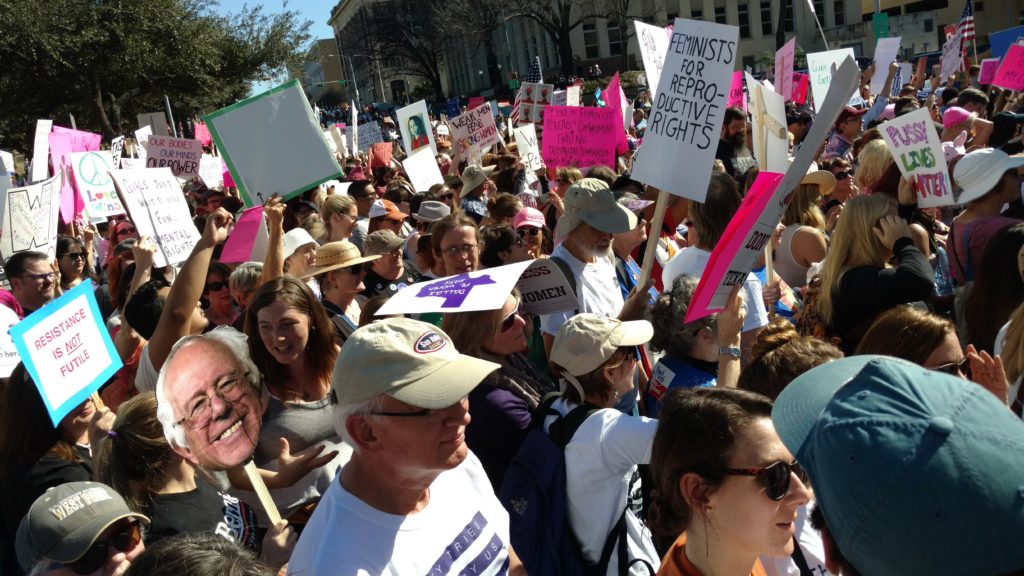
point(388, 209)
point(978, 173)
point(589, 200)
point(406, 359)
point(529, 217)
point(849, 112)
point(432, 211)
point(295, 239)
point(334, 255)
point(65, 522)
point(473, 177)
point(586, 341)
point(903, 459)
point(381, 242)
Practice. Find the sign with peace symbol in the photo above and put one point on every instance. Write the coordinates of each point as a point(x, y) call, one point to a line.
point(93, 169)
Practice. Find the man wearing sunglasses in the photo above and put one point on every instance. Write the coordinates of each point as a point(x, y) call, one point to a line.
point(82, 528)
point(32, 279)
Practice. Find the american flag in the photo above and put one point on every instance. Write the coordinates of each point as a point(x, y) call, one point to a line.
point(533, 76)
point(966, 24)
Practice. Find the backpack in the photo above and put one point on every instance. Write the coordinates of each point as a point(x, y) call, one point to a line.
point(534, 493)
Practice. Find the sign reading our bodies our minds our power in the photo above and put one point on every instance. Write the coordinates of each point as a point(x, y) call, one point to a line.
point(688, 109)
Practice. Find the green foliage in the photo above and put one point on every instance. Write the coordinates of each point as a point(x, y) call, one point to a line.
point(104, 61)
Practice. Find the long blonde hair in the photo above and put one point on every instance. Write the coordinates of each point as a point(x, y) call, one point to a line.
point(853, 244)
point(1013, 348)
point(803, 208)
point(872, 162)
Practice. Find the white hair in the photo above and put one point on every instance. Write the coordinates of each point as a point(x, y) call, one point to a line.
point(343, 412)
point(236, 343)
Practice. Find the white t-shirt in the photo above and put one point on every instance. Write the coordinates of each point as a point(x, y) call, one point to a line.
point(810, 544)
point(692, 261)
point(997, 349)
point(599, 463)
point(597, 289)
point(145, 374)
point(462, 530)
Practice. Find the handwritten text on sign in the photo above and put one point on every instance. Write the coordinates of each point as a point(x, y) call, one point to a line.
point(1011, 73)
point(181, 155)
point(581, 137)
point(30, 218)
point(526, 143)
point(475, 130)
point(66, 350)
point(916, 147)
point(689, 108)
point(158, 208)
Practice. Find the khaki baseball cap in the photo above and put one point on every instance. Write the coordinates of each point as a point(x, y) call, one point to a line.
point(334, 255)
point(406, 359)
point(586, 341)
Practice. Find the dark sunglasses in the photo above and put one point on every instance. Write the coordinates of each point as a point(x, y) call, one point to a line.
point(356, 269)
point(214, 287)
point(532, 231)
point(74, 255)
point(124, 539)
point(509, 321)
point(840, 176)
point(955, 368)
point(126, 230)
point(775, 477)
point(446, 197)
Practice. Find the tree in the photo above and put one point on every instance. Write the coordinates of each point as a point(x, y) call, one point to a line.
point(106, 60)
point(558, 18)
point(624, 12)
point(475, 21)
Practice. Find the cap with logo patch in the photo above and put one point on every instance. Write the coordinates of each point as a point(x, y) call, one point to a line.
point(409, 360)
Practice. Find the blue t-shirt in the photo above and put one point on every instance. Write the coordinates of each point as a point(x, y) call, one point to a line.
point(671, 373)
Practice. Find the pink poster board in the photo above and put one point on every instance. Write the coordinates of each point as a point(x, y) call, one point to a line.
point(244, 243)
point(203, 134)
point(736, 97)
point(228, 180)
point(800, 84)
point(614, 100)
point(580, 136)
point(61, 147)
point(1011, 72)
point(784, 69)
point(81, 141)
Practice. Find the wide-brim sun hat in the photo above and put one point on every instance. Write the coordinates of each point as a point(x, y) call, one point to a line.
point(335, 255)
point(473, 177)
point(823, 179)
point(978, 172)
point(590, 200)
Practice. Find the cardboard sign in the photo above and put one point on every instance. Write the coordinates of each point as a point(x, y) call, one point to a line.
point(885, 52)
point(819, 67)
point(560, 98)
point(30, 218)
point(989, 66)
point(181, 155)
point(581, 137)
point(784, 69)
point(272, 144)
point(153, 198)
point(41, 151)
point(156, 121)
point(526, 144)
point(915, 145)
point(739, 256)
point(335, 143)
point(369, 134)
point(91, 171)
point(653, 41)
point(202, 133)
point(801, 82)
point(951, 54)
point(142, 137)
point(422, 170)
point(414, 122)
point(71, 203)
point(9, 356)
point(1011, 72)
point(67, 350)
point(768, 110)
point(116, 149)
point(572, 95)
point(249, 238)
point(211, 171)
point(382, 153)
point(686, 119)
point(474, 130)
point(737, 97)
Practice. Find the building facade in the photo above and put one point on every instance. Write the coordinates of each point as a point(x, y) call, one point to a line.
point(323, 71)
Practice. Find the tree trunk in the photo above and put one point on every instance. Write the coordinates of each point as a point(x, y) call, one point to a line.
point(101, 111)
point(565, 53)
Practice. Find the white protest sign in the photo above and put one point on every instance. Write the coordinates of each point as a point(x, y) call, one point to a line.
point(158, 208)
point(7, 159)
point(353, 140)
point(653, 41)
point(181, 155)
point(529, 150)
point(572, 95)
point(545, 289)
point(885, 52)
point(688, 110)
point(559, 98)
point(142, 137)
point(768, 109)
point(116, 147)
point(414, 122)
point(41, 151)
point(422, 169)
point(951, 55)
point(210, 171)
point(91, 171)
point(67, 350)
point(156, 121)
point(784, 70)
point(917, 150)
point(9, 357)
point(273, 144)
point(474, 130)
point(30, 218)
point(132, 163)
point(332, 142)
point(369, 134)
point(819, 66)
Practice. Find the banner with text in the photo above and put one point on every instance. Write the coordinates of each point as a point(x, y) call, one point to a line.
point(30, 218)
point(153, 198)
point(474, 130)
point(91, 171)
point(914, 144)
point(369, 134)
point(653, 41)
point(784, 69)
point(181, 155)
point(1011, 72)
point(819, 68)
point(526, 144)
point(580, 136)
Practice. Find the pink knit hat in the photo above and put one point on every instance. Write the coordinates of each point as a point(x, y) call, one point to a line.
point(953, 116)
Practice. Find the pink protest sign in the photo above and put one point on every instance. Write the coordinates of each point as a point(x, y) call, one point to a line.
point(228, 180)
point(743, 242)
point(736, 96)
point(1011, 73)
point(248, 240)
point(989, 66)
point(61, 147)
point(914, 144)
point(475, 102)
point(580, 136)
point(784, 69)
point(614, 99)
point(203, 134)
point(800, 84)
point(81, 141)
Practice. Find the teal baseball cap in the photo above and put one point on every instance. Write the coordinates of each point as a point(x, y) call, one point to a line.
point(915, 471)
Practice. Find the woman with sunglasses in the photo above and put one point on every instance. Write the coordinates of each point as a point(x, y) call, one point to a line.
point(340, 270)
point(220, 310)
point(74, 260)
point(842, 170)
point(531, 233)
point(501, 406)
point(726, 489)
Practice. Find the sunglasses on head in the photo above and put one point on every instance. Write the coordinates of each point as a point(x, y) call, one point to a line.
point(840, 176)
point(125, 538)
point(532, 231)
point(774, 477)
point(509, 321)
point(955, 368)
point(214, 287)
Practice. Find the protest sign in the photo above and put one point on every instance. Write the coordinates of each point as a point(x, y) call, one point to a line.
point(784, 69)
point(801, 82)
point(538, 93)
point(60, 156)
point(249, 238)
point(211, 171)
point(181, 155)
point(91, 171)
point(526, 144)
point(1003, 39)
point(580, 136)
point(474, 130)
point(353, 140)
point(559, 98)
point(1010, 74)
point(572, 95)
point(333, 142)
point(453, 107)
point(67, 350)
point(156, 121)
point(819, 67)
point(951, 55)
point(381, 154)
point(653, 41)
point(202, 133)
point(545, 289)
point(81, 141)
point(733, 259)
point(41, 151)
point(474, 102)
point(914, 144)
point(142, 137)
point(422, 170)
point(153, 198)
point(369, 134)
point(272, 144)
point(885, 52)
point(689, 108)
point(771, 144)
point(414, 122)
point(116, 149)
point(989, 66)
point(9, 357)
point(131, 164)
point(30, 217)
point(7, 159)
point(737, 97)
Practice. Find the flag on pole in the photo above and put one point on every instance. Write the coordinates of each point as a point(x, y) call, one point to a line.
point(966, 24)
point(533, 77)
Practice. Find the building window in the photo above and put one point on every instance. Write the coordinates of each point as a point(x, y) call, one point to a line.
point(766, 17)
point(720, 14)
point(743, 15)
point(672, 17)
point(929, 25)
point(614, 40)
point(696, 15)
point(789, 17)
point(979, 6)
point(590, 40)
point(839, 15)
point(819, 8)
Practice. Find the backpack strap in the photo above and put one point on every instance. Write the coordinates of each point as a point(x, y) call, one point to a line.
point(567, 272)
point(799, 560)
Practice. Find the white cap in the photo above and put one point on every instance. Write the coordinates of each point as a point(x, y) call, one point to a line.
point(294, 239)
